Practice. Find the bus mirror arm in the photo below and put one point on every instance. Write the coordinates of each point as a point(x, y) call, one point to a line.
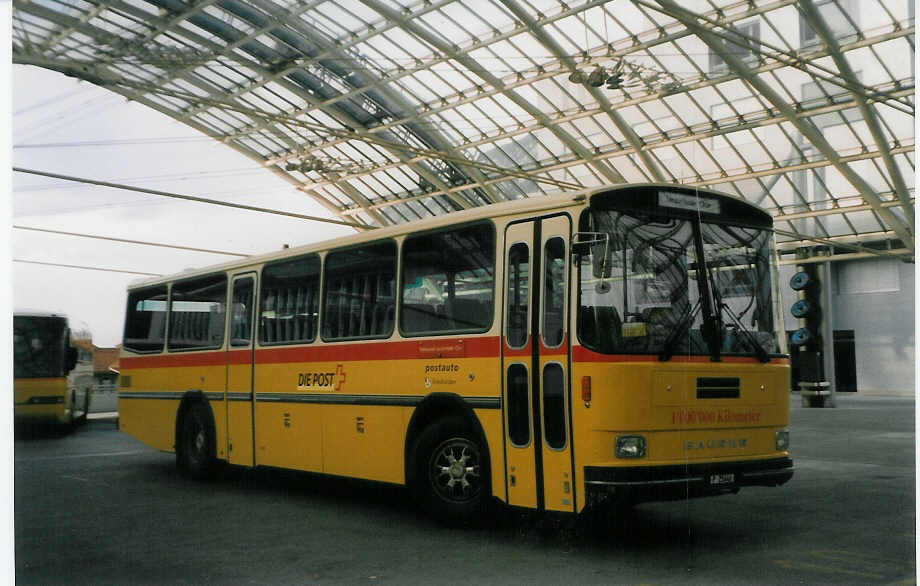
point(584, 243)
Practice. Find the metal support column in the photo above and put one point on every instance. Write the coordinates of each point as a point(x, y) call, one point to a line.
point(827, 329)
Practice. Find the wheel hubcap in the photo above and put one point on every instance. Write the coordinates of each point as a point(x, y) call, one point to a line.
point(454, 470)
point(198, 440)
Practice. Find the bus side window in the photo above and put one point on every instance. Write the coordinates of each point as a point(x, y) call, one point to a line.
point(554, 285)
point(241, 313)
point(448, 281)
point(196, 313)
point(359, 292)
point(145, 323)
point(288, 301)
point(518, 295)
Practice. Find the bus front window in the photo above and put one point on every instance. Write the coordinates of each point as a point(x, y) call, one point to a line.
point(656, 294)
point(38, 346)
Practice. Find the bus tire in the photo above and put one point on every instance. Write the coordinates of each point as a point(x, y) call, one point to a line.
point(196, 446)
point(82, 419)
point(450, 472)
point(72, 420)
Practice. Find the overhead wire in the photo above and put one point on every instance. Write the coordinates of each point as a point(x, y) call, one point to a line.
point(129, 241)
point(193, 198)
point(155, 178)
point(84, 267)
point(53, 100)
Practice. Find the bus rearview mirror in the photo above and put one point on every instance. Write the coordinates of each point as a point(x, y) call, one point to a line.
point(597, 244)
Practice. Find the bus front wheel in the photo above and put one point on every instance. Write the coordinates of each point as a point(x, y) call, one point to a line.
point(450, 472)
point(196, 444)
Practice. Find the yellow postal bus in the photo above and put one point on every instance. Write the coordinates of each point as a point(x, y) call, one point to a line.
point(620, 343)
point(52, 378)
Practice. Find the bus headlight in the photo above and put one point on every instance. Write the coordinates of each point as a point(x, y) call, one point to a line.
point(630, 446)
point(782, 440)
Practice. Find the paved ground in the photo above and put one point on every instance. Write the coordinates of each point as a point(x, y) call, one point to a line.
point(96, 507)
point(104, 402)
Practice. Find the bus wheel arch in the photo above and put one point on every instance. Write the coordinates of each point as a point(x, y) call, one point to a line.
point(447, 459)
point(196, 437)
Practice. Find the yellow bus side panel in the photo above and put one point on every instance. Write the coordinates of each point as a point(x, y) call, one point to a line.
point(491, 421)
point(239, 416)
point(289, 435)
point(239, 429)
point(208, 379)
point(365, 441)
point(152, 421)
point(219, 409)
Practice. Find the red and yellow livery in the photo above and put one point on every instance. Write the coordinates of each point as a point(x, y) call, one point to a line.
point(620, 343)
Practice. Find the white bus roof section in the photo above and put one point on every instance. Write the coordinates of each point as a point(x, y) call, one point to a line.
point(390, 111)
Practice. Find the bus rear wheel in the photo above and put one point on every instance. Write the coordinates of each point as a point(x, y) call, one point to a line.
point(196, 444)
point(450, 472)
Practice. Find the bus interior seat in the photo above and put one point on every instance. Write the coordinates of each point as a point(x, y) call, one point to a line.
point(601, 327)
point(467, 313)
point(420, 317)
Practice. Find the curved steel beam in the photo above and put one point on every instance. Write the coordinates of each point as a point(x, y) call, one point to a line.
point(868, 113)
point(556, 50)
point(407, 23)
point(807, 129)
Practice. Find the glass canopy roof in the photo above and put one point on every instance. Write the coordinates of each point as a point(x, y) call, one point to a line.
point(386, 111)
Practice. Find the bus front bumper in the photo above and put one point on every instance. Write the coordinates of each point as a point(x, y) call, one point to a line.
point(42, 409)
point(649, 483)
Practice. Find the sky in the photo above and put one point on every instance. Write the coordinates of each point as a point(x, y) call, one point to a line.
point(61, 125)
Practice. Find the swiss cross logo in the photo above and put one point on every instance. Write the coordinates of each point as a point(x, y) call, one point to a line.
point(339, 377)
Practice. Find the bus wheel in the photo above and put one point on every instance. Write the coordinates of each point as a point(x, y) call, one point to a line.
point(72, 420)
point(451, 474)
point(196, 446)
point(85, 415)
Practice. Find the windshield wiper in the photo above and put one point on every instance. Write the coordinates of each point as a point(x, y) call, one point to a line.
point(667, 351)
point(759, 351)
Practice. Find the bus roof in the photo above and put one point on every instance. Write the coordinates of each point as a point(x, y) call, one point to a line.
point(38, 313)
point(555, 201)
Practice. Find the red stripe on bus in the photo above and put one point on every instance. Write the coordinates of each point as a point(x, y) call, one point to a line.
point(526, 350)
point(481, 347)
point(212, 358)
point(560, 350)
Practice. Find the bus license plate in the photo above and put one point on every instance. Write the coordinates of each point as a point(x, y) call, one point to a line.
point(721, 479)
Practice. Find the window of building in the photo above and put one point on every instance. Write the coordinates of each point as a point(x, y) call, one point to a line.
point(289, 301)
point(197, 310)
point(840, 16)
point(145, 321)
point(819, 92)
point(742, 41)
point(359, 292)
point(448, 281)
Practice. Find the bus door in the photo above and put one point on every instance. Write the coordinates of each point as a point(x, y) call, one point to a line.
point(535, 363)
point(240, 429)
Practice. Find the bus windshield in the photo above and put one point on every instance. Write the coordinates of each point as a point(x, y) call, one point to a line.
point(39, 344)
point(676, 285)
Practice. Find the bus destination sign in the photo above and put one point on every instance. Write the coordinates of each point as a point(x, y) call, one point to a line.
point(682, 201)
